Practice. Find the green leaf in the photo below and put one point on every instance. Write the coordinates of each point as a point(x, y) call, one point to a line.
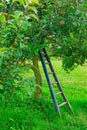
point(1, 61)
point(32, 2)
point(12, 26)
point(35, 2)
point(33, 16)
point(1, 4)
point(32, 8)
point(20, 1)
point(2, 18)
point(17, 14)
point(25, 24)
point(3, 49)
point(2, 98)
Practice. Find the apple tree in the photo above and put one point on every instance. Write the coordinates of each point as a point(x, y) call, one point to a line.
point(26, 26)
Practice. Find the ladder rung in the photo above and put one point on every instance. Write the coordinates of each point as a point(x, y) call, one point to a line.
point(47, 63)
point(50, 72)
point(54, 82)
point(44, 55)
point(62, 104)
point(58, 93)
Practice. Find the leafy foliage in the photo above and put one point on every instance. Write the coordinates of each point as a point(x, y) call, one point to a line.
point(15, 47)
point(64, 23)
point(26, 26)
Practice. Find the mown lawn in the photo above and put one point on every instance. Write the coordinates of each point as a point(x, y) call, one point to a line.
point(22, 112)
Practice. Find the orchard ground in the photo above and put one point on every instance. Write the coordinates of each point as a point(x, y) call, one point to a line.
point(23, 112)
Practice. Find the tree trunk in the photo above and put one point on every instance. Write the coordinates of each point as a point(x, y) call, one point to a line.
point(38, 77)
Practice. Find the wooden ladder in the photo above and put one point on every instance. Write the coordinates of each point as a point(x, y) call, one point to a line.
point(45, 60)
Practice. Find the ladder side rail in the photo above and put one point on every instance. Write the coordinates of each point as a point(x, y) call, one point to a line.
point(50, 84)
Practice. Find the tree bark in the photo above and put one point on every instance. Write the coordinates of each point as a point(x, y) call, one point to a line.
point(37, 74)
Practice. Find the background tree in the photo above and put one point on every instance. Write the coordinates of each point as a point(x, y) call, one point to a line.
point(61, 27)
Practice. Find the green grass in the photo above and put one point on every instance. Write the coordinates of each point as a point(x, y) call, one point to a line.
point(23, 112)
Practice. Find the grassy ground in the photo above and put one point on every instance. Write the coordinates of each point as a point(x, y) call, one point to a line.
point(22, 112)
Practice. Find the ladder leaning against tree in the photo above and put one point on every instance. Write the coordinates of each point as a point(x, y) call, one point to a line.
point(45, 60)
